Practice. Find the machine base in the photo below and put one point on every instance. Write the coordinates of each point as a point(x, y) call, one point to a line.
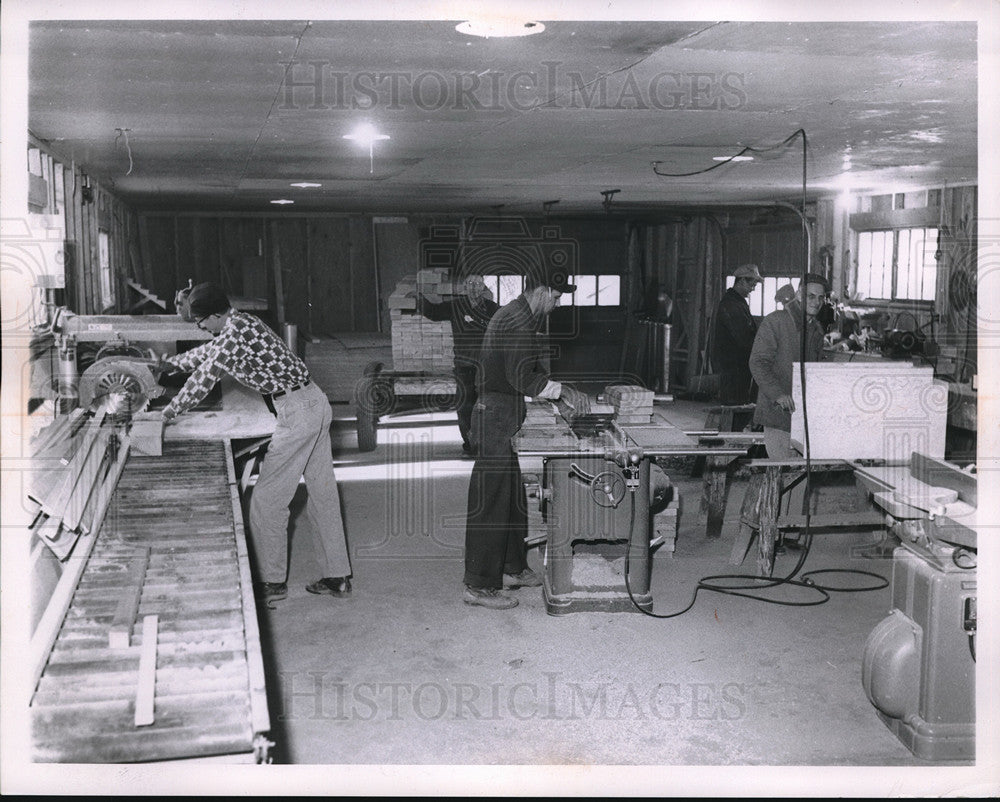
point(603, 600)
point(934, 742)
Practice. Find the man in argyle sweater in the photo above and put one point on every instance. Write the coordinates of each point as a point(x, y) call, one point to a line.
point(250, 352)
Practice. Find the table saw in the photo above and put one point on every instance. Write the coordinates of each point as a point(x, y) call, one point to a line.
point(594, 487)
point(919, 662)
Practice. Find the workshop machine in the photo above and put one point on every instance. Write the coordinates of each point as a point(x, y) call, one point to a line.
point(919, 662)
point(594, 489)
point(144, 643)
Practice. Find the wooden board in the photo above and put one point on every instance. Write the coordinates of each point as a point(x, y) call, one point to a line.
point(863, 411)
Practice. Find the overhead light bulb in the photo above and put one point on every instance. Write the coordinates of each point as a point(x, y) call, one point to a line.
point(499, 27)
point(367, 135)
point(305, 185)
point(282, 201)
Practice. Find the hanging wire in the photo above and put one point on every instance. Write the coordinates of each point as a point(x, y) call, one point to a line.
point(123, 132)
point(747, 149)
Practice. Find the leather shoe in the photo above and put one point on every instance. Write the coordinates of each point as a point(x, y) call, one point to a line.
point(525, 579)
point(488, 597)
point(338, 586)
point(271, 591)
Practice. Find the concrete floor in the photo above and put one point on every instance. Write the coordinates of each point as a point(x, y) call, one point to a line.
point(403, 672)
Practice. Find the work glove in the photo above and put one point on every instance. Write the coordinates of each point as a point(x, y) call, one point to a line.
point(579, 401)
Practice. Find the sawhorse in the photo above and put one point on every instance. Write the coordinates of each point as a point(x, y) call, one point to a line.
point(760, 512)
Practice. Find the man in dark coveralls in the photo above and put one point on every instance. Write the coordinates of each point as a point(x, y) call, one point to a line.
point(469, 314)
point(735, 330)
point(513, 366)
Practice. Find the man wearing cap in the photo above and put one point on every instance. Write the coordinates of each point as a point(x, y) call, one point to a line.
point(250, 352)
point(469, 315)
point(735, 330)
point(513, 366)
point(778, 344)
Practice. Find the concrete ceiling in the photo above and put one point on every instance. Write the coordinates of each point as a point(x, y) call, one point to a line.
point(226, 114)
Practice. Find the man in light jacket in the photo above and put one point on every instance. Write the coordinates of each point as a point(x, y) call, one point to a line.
point(777, 345)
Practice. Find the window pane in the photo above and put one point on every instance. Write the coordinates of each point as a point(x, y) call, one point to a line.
point(904, 278)
point(510, 288)
point(586, 290)
point(864, 284)
point(928, 287)
point(608, 290)
point(104, 257)
point(887, 242)
point(768, 290)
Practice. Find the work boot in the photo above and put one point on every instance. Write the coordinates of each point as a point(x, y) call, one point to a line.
point(268, 592)
point(338, 586)
point(488, 597)
point(524, 579)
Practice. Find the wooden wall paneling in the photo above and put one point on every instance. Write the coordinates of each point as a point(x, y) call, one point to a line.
point(290, 249)
point(86, 257)
point(160, 255)
point(206, 249)
point(330, 269)
point(71, 248)
point(363, 298)
point(184, 250)
point(253, 273)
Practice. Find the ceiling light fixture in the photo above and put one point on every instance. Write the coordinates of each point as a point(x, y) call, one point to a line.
point(367, 135)
point(732, 158)
point(282, 201)
point(305, 185)
point(499, 27)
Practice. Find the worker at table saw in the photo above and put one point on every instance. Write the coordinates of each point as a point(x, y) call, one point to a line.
point(250, 352)
point(733, 337)
point(514, 366)
point(777, 345)
point(469, 313)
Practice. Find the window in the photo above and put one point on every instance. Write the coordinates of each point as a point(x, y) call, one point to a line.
point(897, 265)
point(590, 290)
point(761, 300)
point(104, 256)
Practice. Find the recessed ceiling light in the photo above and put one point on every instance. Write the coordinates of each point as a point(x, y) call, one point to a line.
point(498, 27)
point(305, 184)
point(282, 201)
point(732, 158)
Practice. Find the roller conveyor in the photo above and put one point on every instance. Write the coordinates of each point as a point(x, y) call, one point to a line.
point(177, 517)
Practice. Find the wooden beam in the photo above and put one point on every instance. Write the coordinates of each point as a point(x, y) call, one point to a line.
point(146, 689)
point(120, 633)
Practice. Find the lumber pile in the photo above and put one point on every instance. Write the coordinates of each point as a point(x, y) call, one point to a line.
point(76, 461)
point(632, 403)
point(420, 344)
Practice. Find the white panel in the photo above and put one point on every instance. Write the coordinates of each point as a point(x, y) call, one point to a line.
point(870, 411)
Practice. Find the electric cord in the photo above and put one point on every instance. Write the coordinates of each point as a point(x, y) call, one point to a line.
point(972, 645)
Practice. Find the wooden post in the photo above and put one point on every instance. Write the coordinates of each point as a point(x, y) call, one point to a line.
point(770, 494)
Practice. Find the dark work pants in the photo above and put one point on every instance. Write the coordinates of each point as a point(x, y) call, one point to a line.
point(465, 379)
point(497, 521)
point(736, 387)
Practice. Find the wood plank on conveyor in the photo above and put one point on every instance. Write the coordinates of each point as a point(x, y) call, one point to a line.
point(207, 689)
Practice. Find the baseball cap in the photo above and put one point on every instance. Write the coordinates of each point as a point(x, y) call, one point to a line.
point(559, 280)
point(816, 278)
point(748, 271)
point(207, 299)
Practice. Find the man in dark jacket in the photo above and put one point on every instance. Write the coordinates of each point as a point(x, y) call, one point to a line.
point(735, 330)
point(513, 366)
point(469, 314)
point(778, 344)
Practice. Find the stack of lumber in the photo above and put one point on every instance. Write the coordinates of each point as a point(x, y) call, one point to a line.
point(76, 461)
point(544, 429)
point(665, 526)
point(419, 344)
point(632, 403)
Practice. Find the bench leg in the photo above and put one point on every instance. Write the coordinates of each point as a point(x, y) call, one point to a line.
point(749, 519)
point(714, 493)
point(769, 496)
